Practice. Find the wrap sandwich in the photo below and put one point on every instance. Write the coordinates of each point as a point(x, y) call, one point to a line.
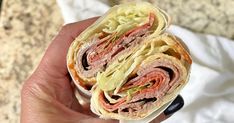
point(127, 63)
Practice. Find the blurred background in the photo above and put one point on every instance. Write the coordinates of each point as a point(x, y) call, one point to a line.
point(28, 26)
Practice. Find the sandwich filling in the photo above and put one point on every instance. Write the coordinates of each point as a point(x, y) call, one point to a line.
point(104, 48)
point(137, 81)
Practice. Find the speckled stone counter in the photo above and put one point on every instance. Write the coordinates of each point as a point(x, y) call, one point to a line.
point(26, 28)
point(203, 16)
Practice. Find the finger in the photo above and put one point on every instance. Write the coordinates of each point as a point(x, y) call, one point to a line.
point(160, 118)
point(175, 106)
point(54, 60)
point(97, 120)
point(74, 29)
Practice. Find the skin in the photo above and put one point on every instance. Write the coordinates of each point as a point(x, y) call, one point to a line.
point(47, 95)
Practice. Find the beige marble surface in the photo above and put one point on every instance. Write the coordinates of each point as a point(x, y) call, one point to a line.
point(27, 27)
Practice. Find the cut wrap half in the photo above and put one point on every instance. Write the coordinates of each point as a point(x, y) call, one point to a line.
point(118, 32)
point(142, 80)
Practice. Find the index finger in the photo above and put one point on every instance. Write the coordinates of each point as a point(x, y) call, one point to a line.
point(72, 30)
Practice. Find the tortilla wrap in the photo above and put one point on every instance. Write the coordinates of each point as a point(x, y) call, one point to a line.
point(128, 64)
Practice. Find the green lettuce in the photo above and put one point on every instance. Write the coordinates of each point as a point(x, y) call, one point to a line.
point(124, 22)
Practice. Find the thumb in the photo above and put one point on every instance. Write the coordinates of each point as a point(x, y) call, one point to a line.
point(175, 106)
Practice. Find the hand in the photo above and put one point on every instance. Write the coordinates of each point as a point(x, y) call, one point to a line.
point(48, 95)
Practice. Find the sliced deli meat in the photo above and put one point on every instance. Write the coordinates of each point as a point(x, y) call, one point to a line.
point(143, 80)
point(127, 63)
point(117, 32)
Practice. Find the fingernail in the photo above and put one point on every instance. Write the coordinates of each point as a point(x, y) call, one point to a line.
point(176, 105)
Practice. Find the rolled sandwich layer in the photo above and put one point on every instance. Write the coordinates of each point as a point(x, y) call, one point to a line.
point(143, 80)
point(127, 63)
point(117, 32)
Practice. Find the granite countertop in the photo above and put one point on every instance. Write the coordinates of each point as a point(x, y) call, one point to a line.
point(204, 16)
point(27, 27)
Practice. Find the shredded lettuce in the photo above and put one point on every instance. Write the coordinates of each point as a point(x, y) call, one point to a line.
point(133, 90)
point(108, 83)
point(108, 97)
point(125, 21)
